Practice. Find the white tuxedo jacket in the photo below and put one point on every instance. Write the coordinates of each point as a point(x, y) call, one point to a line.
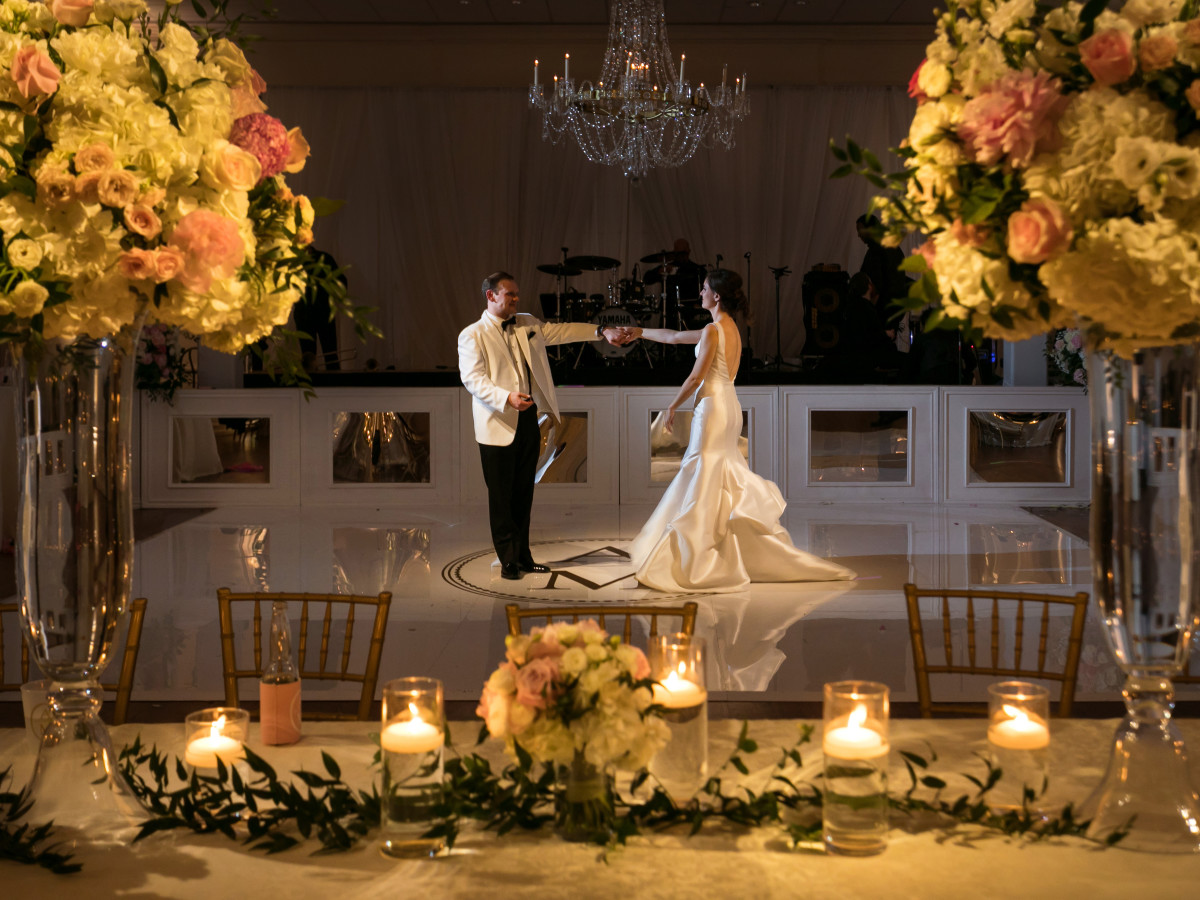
point(487, 370)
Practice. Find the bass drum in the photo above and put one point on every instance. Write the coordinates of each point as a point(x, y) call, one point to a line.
point(615, 317)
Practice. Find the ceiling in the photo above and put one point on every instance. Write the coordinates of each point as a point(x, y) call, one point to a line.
point(574, 12)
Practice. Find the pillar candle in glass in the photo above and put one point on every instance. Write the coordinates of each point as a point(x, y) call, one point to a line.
point(1018, 742)
point(212, 734)
point(855, 744)
point(412, 742)
point(677, 664)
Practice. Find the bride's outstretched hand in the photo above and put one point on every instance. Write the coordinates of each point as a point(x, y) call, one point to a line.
point(668, 420)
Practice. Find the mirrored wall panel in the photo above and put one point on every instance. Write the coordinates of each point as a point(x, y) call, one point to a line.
point(381, 448)
point(370, 560)
point(234, 450)
point(564, 454)
point(999, 554)
point(856, 446)
point(1016, 447)
point(667, 447)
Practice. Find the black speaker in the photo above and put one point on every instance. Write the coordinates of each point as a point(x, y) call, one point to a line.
point(824, 295)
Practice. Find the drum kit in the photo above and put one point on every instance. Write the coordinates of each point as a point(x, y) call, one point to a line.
point(626, 302)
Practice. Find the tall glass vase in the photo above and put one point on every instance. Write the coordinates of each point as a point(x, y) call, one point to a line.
point(74, 561)
point(1144, 532)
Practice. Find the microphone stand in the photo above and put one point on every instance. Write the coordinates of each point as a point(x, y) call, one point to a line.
point(779, 272)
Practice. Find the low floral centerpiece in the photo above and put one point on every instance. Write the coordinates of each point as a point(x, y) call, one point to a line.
point(573, 696)
point(1066, 352)
point(1053, 168)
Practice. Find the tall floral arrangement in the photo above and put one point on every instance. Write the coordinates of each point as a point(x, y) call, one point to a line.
point(1066, 352)
point(1053, 165)
point(571, 688)
point(140, 172)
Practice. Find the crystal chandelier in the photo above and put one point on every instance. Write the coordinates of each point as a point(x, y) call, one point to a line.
point(641, 114)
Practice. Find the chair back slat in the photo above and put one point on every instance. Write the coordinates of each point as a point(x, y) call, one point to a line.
point(123, 686)
point(686, 613)
point(258, 663)
point(1043, 667)
point(369, 675)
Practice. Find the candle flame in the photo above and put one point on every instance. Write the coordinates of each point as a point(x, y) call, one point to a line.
point(217, 727)
point(1017, 715)
point(682, 668)
point(857, 717)
point(416, 713)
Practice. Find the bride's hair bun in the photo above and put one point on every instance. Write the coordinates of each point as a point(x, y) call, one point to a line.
point(727, 285)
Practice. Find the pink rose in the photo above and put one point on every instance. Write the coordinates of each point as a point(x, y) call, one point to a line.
point(168, 263)
point(1191, 31)
point(298, 151)
point(1012, 119)
point(211, 246)
point(137, 265)
point(143, 221)
point(71, 12)
point(87, 187)
point(157, 337)
point(1037, 231)
point(147, 358)
point(94, 158)
point(641, 666)
point(266, 138)
point(1193, 94)
point(1108, 55)
point(116, 187)
point(535, 681)
point(34, 72)
point(55, 187)
point(1157, 52)
point(929, 251)
point(914, 87)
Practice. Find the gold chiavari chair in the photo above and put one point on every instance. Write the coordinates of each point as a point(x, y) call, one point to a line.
point(323, 671)
point(12, 613)
point(122, 687)
point(686, 613)
point(975, 611)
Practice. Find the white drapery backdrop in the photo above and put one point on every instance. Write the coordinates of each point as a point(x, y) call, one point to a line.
point(443, 187)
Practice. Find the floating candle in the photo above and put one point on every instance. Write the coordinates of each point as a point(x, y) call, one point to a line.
point(413, 735)
point(677, 692)
point(1019, 731)
point(852, 740)
point(202, 753)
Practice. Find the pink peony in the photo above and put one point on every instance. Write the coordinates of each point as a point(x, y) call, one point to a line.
point(535, 681)
point(266, 138)
point(211, 247)
point(34, 72)
point(1108, 56)
point(1037, 231)
point(71, 12)
point(641, 667)
point(1012, 119)
point(914, 88)
point(493, 709)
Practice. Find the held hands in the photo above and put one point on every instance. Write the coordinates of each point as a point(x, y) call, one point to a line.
point(618, 337)
point(519, 401)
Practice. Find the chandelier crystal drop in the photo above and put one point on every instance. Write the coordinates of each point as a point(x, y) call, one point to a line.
point(642, 113)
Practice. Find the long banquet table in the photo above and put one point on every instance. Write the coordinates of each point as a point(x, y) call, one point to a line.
point(724, 861)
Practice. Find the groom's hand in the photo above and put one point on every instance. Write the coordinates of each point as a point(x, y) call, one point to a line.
point(519, 401)
point(614, 336)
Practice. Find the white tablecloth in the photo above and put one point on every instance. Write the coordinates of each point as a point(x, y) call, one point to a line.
point(726, 863)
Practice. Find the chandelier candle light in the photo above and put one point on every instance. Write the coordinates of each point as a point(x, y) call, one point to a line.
point(856, 748)
point(412, 742)
point(1018, 741)
point(640, 114)
point(677, 664)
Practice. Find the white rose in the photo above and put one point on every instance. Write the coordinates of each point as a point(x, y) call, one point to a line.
point(228, 167)
point(28, 298)
point(24, 253)
point(573, 661)
point(125, 10)
point(596, 652)
point(229, 57)
point(934, 79)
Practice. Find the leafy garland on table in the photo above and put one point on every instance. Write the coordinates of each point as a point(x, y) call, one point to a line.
point(262, 810)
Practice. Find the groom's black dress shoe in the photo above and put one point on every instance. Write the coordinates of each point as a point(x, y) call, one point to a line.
point(511, 571)
point(535, 568)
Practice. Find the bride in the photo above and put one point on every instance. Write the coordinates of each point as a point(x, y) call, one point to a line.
point(717, 528)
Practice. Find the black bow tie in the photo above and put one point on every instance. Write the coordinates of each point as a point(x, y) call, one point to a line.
point(508, 323)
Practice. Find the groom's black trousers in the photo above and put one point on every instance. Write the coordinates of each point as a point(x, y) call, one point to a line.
point(509, 473)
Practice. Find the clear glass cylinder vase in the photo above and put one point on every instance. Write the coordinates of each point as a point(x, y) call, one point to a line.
point(74, 560)
point(1145, 523)
point(583, 803)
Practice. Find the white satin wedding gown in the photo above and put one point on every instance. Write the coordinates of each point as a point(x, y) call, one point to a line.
point(717, 528)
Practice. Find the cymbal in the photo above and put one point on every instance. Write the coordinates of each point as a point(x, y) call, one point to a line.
point(559, 271)
point(593, 263)
point(663, 256)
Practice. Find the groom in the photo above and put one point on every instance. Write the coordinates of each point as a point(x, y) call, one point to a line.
point(503, 364)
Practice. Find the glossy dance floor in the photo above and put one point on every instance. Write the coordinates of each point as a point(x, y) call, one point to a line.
point(777, 642)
